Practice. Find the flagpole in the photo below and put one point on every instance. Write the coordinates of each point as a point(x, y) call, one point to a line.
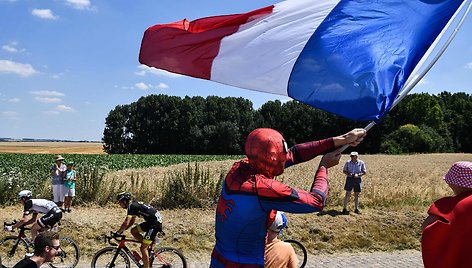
point(413, 80)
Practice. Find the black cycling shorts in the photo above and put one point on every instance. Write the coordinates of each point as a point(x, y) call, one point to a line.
point(151, 229)
point(51, 218)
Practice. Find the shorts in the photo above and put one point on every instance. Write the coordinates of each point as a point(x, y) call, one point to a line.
point(57, 193)
point(68, 191)
point(51, 218)
point(151, 229)
point(353, 183)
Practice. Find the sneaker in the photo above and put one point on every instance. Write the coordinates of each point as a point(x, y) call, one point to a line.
point(357, 211)
point(345, 211)
point(29, 255)
point(68, 210)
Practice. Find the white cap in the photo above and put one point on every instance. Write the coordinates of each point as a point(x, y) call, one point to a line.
point(280, 222)
point(354, 153)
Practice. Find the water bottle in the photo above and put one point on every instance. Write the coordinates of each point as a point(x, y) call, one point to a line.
point(136, 255)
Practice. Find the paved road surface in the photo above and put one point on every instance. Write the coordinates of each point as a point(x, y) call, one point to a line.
point(365, 260)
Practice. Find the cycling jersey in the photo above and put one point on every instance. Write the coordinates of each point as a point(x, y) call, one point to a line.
point(38, 206)
point(141, 210)
point(152, 217)
point(53, 213)
point(246, 204)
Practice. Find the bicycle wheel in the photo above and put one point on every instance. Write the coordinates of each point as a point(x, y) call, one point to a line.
point(168, 257)
point(69, 256)
point(103, 259)
point(13, 250)
point(300, 250)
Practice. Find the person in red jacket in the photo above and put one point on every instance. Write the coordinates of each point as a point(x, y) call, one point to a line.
point(447, 234)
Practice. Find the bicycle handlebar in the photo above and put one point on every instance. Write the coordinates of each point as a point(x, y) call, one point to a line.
point(113, 235)
point(22, 227)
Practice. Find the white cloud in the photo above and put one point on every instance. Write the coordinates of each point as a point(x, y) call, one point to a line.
point(47, 100)
point(142, 86)
point(7, 66)
point(469, 65)
point(12, 47)
point(80, 4)
point(50, 93)
point(63, 108)
point(9, 48)
point(44, 14)
point(162, 86)
point(143, 70)
point(9, 114)
point(14, 100)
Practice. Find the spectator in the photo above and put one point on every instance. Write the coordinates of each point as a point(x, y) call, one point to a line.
point(250, 192)
point(354, 170)
point(69, 186)
point(58, 172)
point(46, 248)
point(279, 254)
point(447, 236)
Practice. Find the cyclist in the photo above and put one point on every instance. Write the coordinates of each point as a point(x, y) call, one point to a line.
point(52, 213)
point(151, 226)
point(279, 254)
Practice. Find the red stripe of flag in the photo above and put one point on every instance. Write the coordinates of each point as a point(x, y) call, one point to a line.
point(189, 48)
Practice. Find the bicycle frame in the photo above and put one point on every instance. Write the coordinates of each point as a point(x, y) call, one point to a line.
point(121, 246)
point(21, 236)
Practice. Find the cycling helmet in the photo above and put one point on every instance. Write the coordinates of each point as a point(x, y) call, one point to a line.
point(123, 196)
point(267, 151)
point(279, 223)
point(25, 194)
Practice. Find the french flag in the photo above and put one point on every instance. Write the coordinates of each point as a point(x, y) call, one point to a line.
point(348, 57)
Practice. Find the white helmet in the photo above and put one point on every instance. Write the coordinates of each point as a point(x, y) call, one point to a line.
point(25, 194)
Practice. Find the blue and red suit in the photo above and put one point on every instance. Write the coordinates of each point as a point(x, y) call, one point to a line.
point(249, 200)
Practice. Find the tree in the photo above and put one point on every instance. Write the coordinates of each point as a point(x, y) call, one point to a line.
point(116, 135)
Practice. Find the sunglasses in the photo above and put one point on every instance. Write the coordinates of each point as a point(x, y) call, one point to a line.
point(55, 247)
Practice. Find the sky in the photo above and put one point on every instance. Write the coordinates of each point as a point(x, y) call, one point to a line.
point(65, 64)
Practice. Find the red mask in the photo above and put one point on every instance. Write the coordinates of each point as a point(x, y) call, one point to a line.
point(267, 151)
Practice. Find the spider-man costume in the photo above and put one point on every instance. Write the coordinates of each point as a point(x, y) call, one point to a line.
point(250, 196)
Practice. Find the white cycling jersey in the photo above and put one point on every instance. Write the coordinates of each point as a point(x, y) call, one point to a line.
point(38, 206)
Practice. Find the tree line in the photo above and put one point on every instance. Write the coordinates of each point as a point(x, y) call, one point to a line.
point(161, 124)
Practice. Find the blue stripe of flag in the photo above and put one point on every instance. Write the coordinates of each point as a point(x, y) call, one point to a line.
point(359, 58)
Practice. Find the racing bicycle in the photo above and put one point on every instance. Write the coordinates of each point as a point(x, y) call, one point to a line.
point(15, 248)
point(119, 255)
